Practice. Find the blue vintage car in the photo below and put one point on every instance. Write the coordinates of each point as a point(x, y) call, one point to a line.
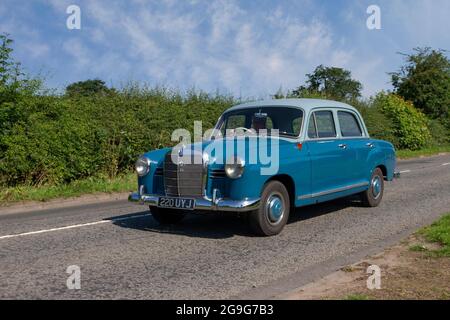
point(323, 152)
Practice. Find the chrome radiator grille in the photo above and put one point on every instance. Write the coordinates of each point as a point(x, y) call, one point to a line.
point(182, 180)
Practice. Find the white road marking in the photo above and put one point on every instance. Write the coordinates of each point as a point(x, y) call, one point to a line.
point(72, 227)
point(444, 164)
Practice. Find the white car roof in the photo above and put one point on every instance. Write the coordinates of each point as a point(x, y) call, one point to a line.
point(305, 104)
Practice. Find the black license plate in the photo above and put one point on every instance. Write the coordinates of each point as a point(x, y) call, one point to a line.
point(176, 203)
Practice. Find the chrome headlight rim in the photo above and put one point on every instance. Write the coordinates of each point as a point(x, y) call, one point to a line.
point(234, 169)
point(142, 166)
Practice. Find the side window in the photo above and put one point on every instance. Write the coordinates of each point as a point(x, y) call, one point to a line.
point(325, 124)
point(349, 124)
point(312, 133)
point(235, 121)
point(297, 125)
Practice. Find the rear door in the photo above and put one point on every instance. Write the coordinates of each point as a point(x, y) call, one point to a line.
point(329, 165)
point(358, 144)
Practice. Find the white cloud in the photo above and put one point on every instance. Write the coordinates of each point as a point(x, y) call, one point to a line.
point(80, 53)
point(36, 50)
point(231, 45)
point(59, 5)
point(31, 45)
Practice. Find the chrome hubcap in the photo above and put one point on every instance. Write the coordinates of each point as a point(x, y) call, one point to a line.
point(275, 208)
point(376, 187)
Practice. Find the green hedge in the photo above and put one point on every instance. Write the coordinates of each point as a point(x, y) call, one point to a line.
point(409, 125)
point(56, 139)
point(389, 117)
point(379, 125)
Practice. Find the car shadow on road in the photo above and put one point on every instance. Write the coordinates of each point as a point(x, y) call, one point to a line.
point(207, 225)
point(216, 225)
point(317, 210)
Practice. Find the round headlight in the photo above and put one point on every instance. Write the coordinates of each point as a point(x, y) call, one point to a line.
point(235, 168)
point(142, 166)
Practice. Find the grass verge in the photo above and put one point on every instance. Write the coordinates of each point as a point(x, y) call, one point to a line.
point(422, 272)
point(430, 151)
point(123, 183)
point(439, 233)
point(416, 268)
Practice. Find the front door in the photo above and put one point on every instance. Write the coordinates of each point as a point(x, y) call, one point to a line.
point(329, 157)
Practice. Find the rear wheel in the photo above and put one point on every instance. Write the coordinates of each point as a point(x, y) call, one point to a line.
point(167, 216)
point(372, 197)
point(273, 212)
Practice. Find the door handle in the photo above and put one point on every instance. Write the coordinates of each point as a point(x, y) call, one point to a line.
point(342, 146)
point(370, 145)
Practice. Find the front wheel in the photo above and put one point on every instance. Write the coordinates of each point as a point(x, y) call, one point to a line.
point(273, 212)
point(167, 216)
point(372, 197)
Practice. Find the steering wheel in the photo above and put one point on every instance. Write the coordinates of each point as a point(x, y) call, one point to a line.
point(252, 131)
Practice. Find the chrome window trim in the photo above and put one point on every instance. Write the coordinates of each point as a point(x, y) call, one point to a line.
point(338, 136)
point(358, 121)
point(312, 114)
point(295, 138)
point(205, 177)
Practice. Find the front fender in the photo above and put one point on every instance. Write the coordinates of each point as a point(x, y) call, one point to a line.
point(383, 155)
point(156, 158)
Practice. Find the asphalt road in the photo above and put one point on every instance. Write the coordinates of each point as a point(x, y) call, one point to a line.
point(123, 253)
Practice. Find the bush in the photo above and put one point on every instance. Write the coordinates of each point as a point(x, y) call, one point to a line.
point(439, 132)
point(377, 123)
point(409, 124)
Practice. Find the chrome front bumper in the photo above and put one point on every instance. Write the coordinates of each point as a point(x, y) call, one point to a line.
point(215, 204)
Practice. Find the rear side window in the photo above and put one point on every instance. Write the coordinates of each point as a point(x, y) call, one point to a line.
point(349, 124)
point(312, 132)
point(321, 125)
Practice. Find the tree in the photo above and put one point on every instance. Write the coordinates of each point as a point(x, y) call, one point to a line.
point(330, 82)
point(279, 94)
point(88, 88)
point(6, 63)
point(14, 87)
point(10, 73)
point(425, 81)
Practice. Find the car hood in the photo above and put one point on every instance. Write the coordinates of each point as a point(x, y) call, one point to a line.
point(219, 150)
point(222, 149)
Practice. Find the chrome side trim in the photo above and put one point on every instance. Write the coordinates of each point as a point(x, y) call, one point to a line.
point(327, 192)
point(203, 203)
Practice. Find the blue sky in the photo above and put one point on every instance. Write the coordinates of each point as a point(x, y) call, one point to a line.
point(247, 48)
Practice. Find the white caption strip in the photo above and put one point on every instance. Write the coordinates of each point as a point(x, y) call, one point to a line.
point(72, 227)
